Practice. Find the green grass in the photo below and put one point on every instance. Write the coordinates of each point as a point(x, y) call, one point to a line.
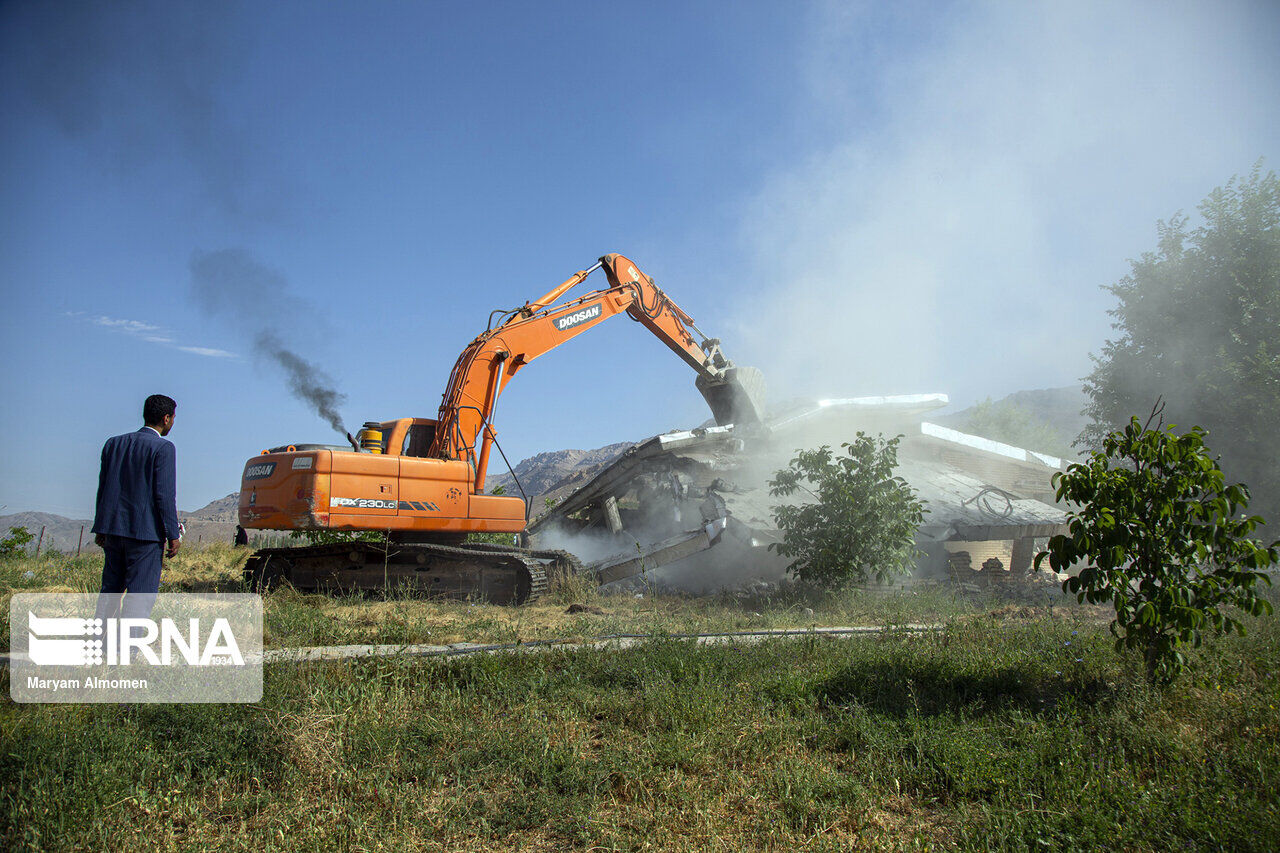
point(293, 618)
point(996, 733)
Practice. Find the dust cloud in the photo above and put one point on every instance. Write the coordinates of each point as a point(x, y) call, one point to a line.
point(963, 199)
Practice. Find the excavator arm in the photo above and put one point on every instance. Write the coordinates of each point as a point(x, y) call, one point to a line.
point(489, 362)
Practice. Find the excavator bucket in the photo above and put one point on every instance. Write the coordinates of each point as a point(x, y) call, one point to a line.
point(736, 398)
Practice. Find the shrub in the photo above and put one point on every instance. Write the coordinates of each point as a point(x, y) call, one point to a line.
point(1165, 538)
point(15, 544)
point(863, 521)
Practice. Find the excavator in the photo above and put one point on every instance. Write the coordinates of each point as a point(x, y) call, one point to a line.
point(420, 482)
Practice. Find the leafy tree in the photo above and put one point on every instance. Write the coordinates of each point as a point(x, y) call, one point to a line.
point(15, 544)
point(1010, 423)
point(1165, 538)
point(863, 521)
point(1197, 323)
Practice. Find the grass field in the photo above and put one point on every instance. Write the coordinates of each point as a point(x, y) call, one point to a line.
point(296, 619)
point(1010, 729)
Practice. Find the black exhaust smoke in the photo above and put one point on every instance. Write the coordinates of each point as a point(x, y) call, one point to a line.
point(306, 381)
point(232, 283)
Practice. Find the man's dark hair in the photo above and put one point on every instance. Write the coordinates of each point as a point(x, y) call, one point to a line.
point(156, 407)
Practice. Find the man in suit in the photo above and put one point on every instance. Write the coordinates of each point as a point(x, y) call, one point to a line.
point(136, 521)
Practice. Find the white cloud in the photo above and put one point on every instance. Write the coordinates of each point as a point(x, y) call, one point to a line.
point(953, 232)
point(209, 351)
point(148, 332)
point(131, 327)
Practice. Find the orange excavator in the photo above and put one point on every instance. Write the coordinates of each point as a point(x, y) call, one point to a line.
point(421, 482)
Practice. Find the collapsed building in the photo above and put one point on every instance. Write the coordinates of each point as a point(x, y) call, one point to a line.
point(692, 508)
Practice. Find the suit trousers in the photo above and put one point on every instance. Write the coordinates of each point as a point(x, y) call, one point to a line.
point(132, 566)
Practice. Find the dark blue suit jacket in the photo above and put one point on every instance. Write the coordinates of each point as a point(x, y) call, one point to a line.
point(137, 487)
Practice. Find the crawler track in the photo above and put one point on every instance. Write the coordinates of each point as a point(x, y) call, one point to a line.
point(495, 573)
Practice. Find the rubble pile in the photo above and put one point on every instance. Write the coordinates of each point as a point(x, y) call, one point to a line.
point(691, 509)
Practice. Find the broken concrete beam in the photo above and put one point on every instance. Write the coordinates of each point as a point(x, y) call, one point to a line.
point(660, 554)
point(611, 515)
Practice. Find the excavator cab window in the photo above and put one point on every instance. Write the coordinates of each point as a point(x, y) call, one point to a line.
point(417, 441)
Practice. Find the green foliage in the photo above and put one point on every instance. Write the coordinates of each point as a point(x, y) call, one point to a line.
point(1166, 539)
point(329, 537)
point(15, 544)
point(863, 522)
point(493, 538)
point(1013, 424)
point(1197, 323)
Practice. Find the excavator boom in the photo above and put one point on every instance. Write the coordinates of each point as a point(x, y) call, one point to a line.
point(465, 430)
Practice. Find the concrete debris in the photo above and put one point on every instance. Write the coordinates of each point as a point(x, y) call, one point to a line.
point(691, 509)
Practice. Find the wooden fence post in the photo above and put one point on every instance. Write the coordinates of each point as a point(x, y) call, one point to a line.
point(80, 544)
point(40, 541)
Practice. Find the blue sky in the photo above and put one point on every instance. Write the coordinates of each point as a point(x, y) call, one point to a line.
point(859, 198)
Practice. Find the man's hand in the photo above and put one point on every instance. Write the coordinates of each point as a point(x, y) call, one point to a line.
point(174, 546)
point(99, 540)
